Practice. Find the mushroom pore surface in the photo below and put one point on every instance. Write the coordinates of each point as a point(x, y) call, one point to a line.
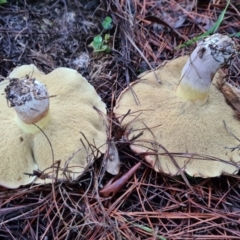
point(194, 135)
point(72, 126)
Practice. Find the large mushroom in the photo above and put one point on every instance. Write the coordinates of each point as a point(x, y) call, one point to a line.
point(184, 123)
point(69, 127)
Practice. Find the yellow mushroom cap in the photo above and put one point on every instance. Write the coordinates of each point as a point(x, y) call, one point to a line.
point(71, 112)
point(193, 134)
point(16, 151)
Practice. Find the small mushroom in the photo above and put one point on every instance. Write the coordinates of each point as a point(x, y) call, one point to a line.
point(184, 123)
point(55, 119)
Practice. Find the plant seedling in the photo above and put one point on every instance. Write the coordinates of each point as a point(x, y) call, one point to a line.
point(100, 43)
point(107, 23)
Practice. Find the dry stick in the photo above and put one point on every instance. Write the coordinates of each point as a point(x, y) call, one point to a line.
point(232, 6)
point(50, 144)
point(19, 216)
point(139, 51)
point(50, 225)
point(216, 213)
point(56, 205)
point(105, 212)
point(112, 153)
point(4, 212)
point(143, 207)
point(114, 187)
point(53, 189)
point(225, 126)
point(162, 22)
point(225, 194)
point(105, 215)
point(174, 162)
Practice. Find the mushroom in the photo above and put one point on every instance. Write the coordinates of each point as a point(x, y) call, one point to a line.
point(69, 127)
point(184, 123)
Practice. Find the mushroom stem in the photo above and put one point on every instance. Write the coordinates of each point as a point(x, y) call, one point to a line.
point(197, 74)
point(29, 98)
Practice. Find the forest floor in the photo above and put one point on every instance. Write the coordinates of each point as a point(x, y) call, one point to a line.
point(143, 35)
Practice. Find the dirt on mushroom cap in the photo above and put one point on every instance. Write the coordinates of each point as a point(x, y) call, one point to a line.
point(194, 135)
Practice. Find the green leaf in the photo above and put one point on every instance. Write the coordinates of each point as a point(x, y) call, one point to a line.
point(96, 45)
point(104, 48)
point(97, 39)
point(3, 1)
point(220, 19)
point(213, 29)
point(107, 23)
point(107, 49)
point(106, 37)
point(147, 229)
point(97, 42)
point(235, 34)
